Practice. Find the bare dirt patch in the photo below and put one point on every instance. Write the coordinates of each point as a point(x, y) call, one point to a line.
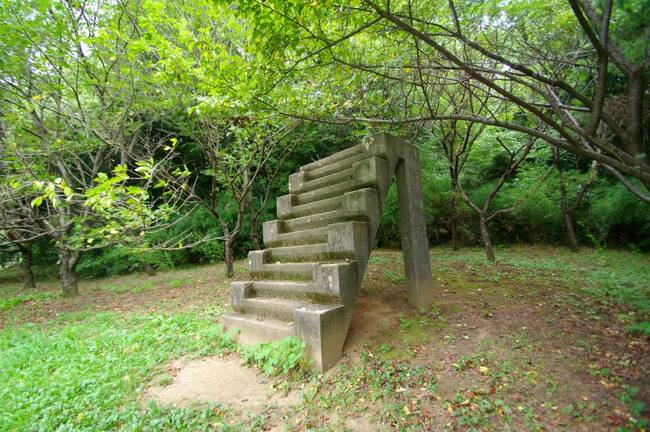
point(218, 380)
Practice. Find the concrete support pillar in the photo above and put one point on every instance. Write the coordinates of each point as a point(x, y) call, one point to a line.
point(413, 229)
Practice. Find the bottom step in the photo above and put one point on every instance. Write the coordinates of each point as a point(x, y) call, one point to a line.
point(254, 330)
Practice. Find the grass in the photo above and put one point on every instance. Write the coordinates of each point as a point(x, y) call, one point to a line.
point(540, 340)
point(10, 302)
point(87, 375)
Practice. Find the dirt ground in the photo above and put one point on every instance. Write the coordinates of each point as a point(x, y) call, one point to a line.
point(215, 379)
point(504, 347)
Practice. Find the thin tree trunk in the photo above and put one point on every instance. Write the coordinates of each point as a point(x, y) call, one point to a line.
point(230, 267)
point(567, 211)
point(255, 235)
point(453, 218)
point(485, 236)
point(28, 274)
point(570, 231)
point(67, 273)
point(635, 95)
point(149, 269)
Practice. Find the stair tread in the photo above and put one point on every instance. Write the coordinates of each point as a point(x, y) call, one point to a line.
point(306, 236)
point(301, 247)
point(350, 151)
point(301, 220)
point(314, 207)
point(335, 166)
point(328, 191)
point(276, 307)
point(326, 180)
point(279, 329)
point(252, 317)
point(279, 302)
point(309, 264)
point(288, 289)
point(280, 282)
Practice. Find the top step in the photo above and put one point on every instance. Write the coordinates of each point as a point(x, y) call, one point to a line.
point(343, 154)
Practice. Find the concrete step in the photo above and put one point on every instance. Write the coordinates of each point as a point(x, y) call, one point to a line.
point(307, 236)
point(255, 329)
point(337, 189)
point(315, 220)
point(327, 180)
point(295, 289)
point(287, 289)
point(333, 167)
point(287, 271)
point(343, 154)
point(310, 252)
point(333, 203)
point(270, 307)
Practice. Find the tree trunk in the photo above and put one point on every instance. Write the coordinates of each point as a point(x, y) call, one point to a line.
point(67, 272)
point(28, 274)
point(149, 269)
point(570, 231)
point(635, 95)
point(485, 236)
point(228, 255)
point(453, 220)
point(255, 235)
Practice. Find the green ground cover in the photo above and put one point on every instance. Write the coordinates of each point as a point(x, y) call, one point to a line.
point(541, 340)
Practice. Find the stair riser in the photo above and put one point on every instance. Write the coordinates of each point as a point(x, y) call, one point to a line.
point(298, 183)
point(343, 154)
point(370, 172)
point(252, 331)
point(290, 275)
point(296, 239)
point(321, 206)
point(308, 257)
point(332, 168)
point(313, 296)
point(361, 204)
point(281, 313)
point(313, 253)
point(326, 192)
point(320, 220)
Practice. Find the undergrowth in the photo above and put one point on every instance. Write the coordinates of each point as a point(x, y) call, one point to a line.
point(88, 375)
point(286, 356)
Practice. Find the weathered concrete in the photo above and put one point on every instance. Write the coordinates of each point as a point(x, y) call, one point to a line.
point(308, 279)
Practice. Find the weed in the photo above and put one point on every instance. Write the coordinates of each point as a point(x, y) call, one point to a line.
point(144, 286)
point(395, 276)
point(404, 323)
point(641, 328)
point(87, 375)
point(636, 420)
point(180, 282)
point(474, 408)
point(286, 356)
point(378, 260)
point(11, 302)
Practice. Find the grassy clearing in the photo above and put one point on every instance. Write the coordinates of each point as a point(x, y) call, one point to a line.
point(541, 340)
point(85, 373)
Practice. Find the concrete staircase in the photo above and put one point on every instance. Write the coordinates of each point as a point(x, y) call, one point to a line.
point(305, 283)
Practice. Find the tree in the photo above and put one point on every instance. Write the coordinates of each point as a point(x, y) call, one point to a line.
point(73, 101)
point(515, 155)
point(540, 59)
point(568, 204)
point(200, 55)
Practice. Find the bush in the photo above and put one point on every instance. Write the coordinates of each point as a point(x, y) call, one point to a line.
point(121, 260)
